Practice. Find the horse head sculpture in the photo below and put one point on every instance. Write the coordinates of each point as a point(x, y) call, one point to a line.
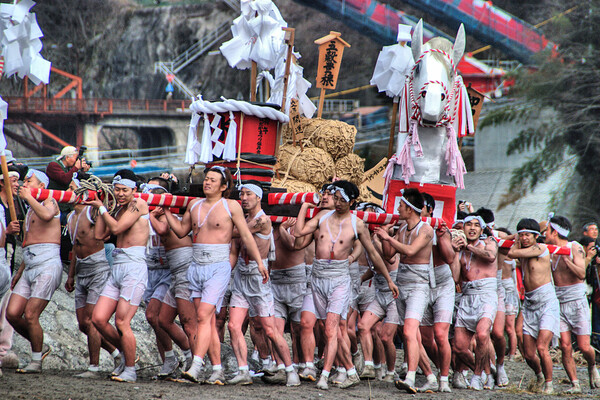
point(434, 73)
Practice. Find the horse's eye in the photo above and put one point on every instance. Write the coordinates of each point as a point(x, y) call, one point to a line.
point(423, 94)
point(443, 97)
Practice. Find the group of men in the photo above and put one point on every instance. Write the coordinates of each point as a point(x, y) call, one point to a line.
point(337, 281)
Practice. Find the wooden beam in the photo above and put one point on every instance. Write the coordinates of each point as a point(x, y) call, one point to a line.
point(47, 133)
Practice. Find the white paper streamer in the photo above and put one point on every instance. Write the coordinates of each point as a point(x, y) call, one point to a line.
point(393, 65)
point(297, 88)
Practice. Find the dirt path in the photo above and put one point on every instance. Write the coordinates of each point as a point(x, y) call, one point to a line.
point(59, 385)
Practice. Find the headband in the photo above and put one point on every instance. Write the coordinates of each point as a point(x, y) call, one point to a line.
point(376, 208)
point(147, 187)
point(42, 177)
point(221, 170)
point(408, 203)
point(253, 188)
point(529, 231)
point(475, 217)
point(333, 188)
point(117, 180)
point(76, 181)
point(458, 221)
point(561, 231)
point(10, 175)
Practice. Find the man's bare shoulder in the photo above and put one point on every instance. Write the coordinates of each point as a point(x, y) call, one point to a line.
point(426, 230)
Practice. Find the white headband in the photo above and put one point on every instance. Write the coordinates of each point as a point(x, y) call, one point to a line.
point(10, 175)
point(363, 206)
point(253, 188)
point(561, 231)
point(147, 187)
point(408, 203)
point(475, 217)
point(333, 188)
point(42, 177)
point(117, 180)
point(528, 231)
point(458, 221)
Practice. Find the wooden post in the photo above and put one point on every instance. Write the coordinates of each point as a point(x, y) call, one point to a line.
point(239, 149)
point(290, 34)
point(393, 127)
point(253, 82)
point(321, 102)
point(8, 188)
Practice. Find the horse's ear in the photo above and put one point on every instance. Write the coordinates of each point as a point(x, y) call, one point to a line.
point(459, 45)
point(417, 40)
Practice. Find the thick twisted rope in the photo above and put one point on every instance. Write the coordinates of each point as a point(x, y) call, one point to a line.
point(104, 192)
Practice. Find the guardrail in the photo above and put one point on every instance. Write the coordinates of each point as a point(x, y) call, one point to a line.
point(93, 106)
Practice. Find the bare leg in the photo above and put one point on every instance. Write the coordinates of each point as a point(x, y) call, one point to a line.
point(237, 316)
point(498, 338)
point(105, 308)
point(331, 336)
point(444, 350)
point(279, 344)
point(166, 320)
point(543, 344)
point(353, 316)
point(214, 350)
point(189, 320)
point(509, 326)
point(14, 314)
point(221, 319)
point(204, 314)
point(367, 321)
point(94, 339)
point(529, 346)
point(462, 341)
point(123, 316)
point(163, 341)
point(257, 334)
point(308, 321)
point(482, 344)
point(386, 334)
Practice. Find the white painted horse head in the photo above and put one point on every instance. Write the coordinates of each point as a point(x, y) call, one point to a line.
point(434, 73)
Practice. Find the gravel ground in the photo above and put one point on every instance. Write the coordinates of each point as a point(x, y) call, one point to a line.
point(55, 384)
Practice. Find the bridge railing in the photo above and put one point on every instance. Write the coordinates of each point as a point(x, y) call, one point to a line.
point(92, 106)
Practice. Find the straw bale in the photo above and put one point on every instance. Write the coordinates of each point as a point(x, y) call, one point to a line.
point(295, 186)
point(350, 168)
point(335, 137)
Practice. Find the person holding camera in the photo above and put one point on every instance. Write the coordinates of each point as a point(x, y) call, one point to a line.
point(60, 173)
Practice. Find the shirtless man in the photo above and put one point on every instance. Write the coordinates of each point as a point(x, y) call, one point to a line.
point(4, 265)
point(330, 280)
point(123, 292)
point(438, 315)
point(308, 314)
point(251, 293)
point(415, 275)
point(40, 272)
point(476, 265)
point(512, 303)
point(569, 274)
point(90, 267)
point(541, 309)
point(211, 221)
point(288, 282)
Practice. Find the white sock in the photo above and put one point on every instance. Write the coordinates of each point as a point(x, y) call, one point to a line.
point(341, 369)
point(129, 370)
point(280, 366)
point(465, 372)
point(351, 371)
point(410, 376)
point(444, 378)
point(301, 365)
point(289, 368)
point(115, 353)
point(217, 367)
point(310, 365)
point(35, 356)
point(243, 368)
point(575, 382)
point(431, 378)
point(265, 362)
point(169, 354)
point(325, 373)
point(404, 365)
point(93, 368)
point(187, 354)
point(371, 364)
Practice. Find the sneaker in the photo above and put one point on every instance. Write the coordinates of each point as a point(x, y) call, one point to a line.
point(430, 386)
point(34, 367)
point(390, 377)
point(594, 377)
point(380, 372)
point(493, 368)
point(339, 377)
point(548, 388)
point(216, 378)
point(188, 363)
point(125, 376)
point(351, 380)
point(292, 379)
point(501, 377)
point(358, 361)
point(308, 374)
point(88, 375)
point(169, 367)
point(46, 350)
point(489, 382)
point(407, 385)
point(458, 380)
point(322, 384)
point(278, 379)
point(476, 383)
point(403, 371)
point(444, 387)
point(575, 389)
point(192, 374)
point(243, 378)
point(368, 372)
point(119, 367)
point(10, 361)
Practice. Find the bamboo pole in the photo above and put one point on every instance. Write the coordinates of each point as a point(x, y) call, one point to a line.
point(291, 32)
point(321, 102)
point(8, 188)
point(393, 127)
point(253, 82)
